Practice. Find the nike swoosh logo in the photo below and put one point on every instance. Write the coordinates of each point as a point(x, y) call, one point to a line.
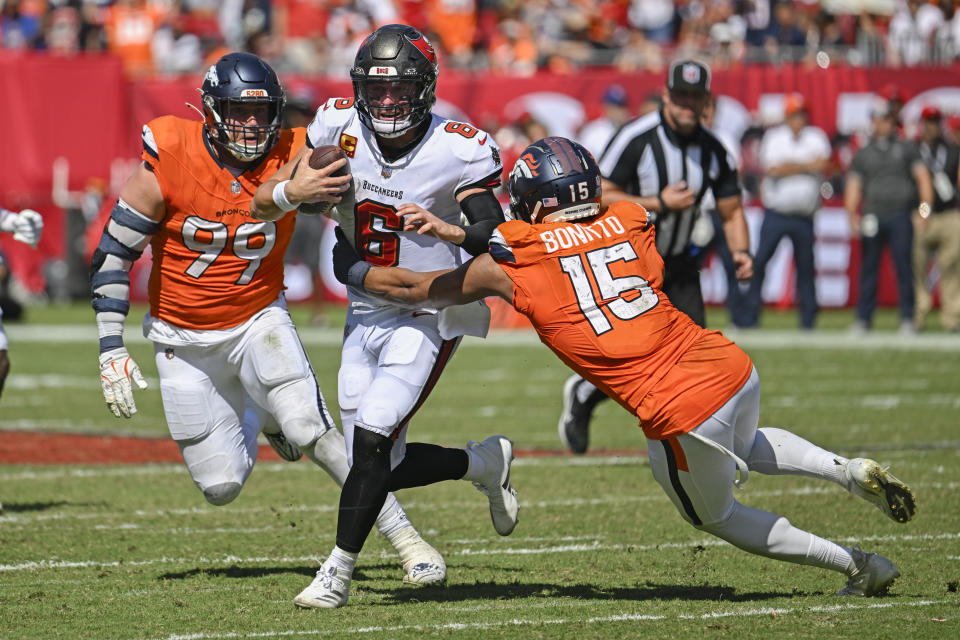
point(417, 314)
point(483, 140)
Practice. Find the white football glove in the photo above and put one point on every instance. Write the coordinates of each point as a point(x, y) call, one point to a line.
point(26, 226)
point(117, 370)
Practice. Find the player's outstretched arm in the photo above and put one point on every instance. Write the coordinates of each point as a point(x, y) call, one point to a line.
point(479, 278)
point(133, 221)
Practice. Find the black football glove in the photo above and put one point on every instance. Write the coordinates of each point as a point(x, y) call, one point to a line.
point(348, 267)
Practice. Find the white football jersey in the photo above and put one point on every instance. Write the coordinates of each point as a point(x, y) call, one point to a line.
point(451, 157)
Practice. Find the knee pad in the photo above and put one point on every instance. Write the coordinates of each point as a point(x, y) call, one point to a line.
point(221, 494)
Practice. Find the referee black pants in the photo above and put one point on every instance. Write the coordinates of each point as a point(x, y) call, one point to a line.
point(681, 283)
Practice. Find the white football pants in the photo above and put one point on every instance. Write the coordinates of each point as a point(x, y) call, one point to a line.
point(388, 367)
point(697, 470)
point(218, 397)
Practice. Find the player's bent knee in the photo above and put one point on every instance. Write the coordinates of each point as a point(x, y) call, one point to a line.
point(370, 449)
point(303, 432)
point(379, 414)
point(221, 494)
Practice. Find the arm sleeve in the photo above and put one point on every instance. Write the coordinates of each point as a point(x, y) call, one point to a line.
point(484, 213)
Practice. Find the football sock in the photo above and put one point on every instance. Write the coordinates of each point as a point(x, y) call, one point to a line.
point(425, 464)
point(365, 489)
point(768, 534)
point(780, 452)
point(392, 518)
point(344, 560)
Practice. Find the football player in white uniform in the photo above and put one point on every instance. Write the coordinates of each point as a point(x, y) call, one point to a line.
point(27, 227)
point(413, 176)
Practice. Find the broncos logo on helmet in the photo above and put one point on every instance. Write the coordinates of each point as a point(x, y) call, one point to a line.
point(554, 175)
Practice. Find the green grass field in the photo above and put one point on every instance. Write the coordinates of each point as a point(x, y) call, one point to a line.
point(133, 552)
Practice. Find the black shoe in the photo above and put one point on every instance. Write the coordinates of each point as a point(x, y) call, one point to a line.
point(574, 425)
point(284, 448)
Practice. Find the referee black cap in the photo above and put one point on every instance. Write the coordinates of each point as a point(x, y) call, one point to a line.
point(689, 75)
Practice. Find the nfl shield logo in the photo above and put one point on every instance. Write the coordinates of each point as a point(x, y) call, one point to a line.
point(386, 172)
point(691, 73)
point(234, 187)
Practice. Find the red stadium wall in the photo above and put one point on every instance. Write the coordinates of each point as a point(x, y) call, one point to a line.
point(84, 111)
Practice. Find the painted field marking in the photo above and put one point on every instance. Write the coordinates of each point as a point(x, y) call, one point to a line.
point(35, 565)
point(520, 622)
point(656, 496)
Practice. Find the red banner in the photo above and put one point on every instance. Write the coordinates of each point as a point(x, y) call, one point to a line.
point(83, 111)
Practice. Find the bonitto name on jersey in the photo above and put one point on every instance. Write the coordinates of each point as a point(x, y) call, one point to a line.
point(577, 234)
point(382, 191)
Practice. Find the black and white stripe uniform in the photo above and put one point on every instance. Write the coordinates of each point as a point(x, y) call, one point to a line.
point(645, 156)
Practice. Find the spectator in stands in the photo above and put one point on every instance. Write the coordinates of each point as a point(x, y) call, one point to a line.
point(655, 18)
point(886, 182)
point(455, 23)
point(130, 27)
point(793, 157)
point(597, 133)
point(869, 45)
point(908, 37)
point(938, 228)
point(21, 24)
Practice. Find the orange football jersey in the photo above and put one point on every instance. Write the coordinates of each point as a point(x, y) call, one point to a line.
point(592, 290)
point(214, 265)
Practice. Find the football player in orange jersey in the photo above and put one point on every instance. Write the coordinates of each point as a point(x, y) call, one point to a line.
point(589, 281)
point(229, 358)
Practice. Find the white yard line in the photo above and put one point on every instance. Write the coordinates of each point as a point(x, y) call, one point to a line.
point(539, 622)
point(11, 518)
point(37, 565)
point(822, 339)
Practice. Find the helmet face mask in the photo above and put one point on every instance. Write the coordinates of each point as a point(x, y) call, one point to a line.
point(242, 105)
point(554, 176)
point(394, 80)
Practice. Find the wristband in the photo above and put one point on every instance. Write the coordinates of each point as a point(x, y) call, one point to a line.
point(663, 205)
point(357, 274)
point(280, 197)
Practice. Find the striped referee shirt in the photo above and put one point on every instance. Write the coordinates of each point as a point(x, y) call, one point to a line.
point(646, 155)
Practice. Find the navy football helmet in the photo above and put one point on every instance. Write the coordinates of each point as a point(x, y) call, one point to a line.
point(237, 81)
point(398, 62)
point(554, 174)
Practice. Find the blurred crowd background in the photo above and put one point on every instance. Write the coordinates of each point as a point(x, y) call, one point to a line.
point(523, 70)
point(511, 37)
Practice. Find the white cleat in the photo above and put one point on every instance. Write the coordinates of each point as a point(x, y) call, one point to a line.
point(868, 480)
point(497, 455)
point(422, 564)
point(329, 590)
point(874, 576)
point(284, 448)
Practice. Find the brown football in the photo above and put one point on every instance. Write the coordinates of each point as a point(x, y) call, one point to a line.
point(320, 158)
